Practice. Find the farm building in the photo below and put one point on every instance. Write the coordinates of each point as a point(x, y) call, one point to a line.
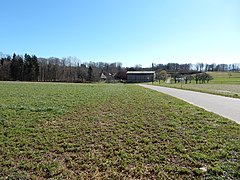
point(140, 76)
point(103, 77)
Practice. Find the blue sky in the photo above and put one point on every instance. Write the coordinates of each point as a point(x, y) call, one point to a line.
point(128, 31)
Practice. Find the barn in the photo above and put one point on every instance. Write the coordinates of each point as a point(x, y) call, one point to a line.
point(140, 76)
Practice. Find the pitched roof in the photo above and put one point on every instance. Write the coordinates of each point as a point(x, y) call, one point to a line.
point(103, 76)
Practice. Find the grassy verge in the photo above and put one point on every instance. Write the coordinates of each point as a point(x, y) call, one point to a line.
point(111, 131)
point(229, 90)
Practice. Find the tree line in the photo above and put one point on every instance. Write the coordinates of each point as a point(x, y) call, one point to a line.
point(19, 68)
point(31, 68)
point(71, 70)
point(199, 67)
point(177, 77)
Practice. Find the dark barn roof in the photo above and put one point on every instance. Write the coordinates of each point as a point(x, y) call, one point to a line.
point(140, 72)
point(140, 76)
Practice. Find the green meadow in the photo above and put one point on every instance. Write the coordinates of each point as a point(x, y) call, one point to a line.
point(223, 83)
point(225, 78)
point(111, 131)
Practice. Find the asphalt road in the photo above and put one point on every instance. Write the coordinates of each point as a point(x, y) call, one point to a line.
point(223, 106)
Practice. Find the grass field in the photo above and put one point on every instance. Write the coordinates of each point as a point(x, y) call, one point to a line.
point(117, 131)
point(220, 85)
point(225, 78)
point(217, 74)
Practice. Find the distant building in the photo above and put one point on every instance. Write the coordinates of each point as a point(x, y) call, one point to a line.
point(140, 76)
point(103, 77)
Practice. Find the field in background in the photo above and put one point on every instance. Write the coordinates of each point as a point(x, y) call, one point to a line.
point(110, 131)
point(225, 77)
point(222, 84)
point(216, 74)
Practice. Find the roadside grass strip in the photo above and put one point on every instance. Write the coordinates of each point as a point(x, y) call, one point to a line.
point(228, 90)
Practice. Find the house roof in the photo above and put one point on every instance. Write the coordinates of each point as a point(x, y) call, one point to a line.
point(103, 76)
point(140, 72)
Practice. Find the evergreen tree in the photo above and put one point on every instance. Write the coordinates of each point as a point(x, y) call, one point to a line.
point(35, 67)
point(90, 74)
point(31, 68)
point(27, 68)
point(16, 67)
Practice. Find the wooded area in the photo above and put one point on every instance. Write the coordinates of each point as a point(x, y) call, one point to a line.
point(31, 68)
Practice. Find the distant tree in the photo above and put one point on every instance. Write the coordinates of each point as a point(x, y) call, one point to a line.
point(173, 67)
point(198, 65)
point(31, 68)
point(153, 66)
point(97, 73)
point(188, 78)
point(16, 67)
point(175, 76)
point(121, 75)
point(138, 67)
point(160, 66)
point(6, 68)
point(157, 73)
point(119, 66)
point(185, 67)
point(202, 78)
point(90, 74)
point(35, 68)
point(197, 78)
point(1, 71)
point(42, 69)
point(229, 74)
point(232, 67)
point(201, 65)
point(82, 73)
point(213, 65)
point(208, 77)
point(210, 67)
point(163, 75)
point(206, 67)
